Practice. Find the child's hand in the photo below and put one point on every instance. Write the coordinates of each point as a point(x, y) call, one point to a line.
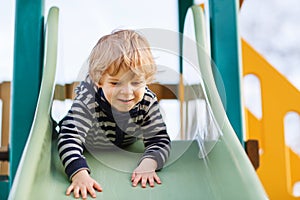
point(144, 173)
point(83, 184)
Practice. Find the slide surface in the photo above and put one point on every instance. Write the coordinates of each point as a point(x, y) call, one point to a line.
point(225, 173)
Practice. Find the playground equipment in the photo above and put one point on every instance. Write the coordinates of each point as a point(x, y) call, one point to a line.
point(279, 164)
point(224, 173)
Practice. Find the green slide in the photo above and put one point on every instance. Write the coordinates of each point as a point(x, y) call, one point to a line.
point(224, 172)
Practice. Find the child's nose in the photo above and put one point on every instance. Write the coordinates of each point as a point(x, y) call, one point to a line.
point(127, 89)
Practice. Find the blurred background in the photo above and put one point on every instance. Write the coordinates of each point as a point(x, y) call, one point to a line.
point(270, 26)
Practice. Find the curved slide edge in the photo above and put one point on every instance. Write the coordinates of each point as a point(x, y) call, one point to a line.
point(250, 183)
point(36, 149)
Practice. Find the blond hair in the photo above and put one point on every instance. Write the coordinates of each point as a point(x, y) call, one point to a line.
point(122, 49)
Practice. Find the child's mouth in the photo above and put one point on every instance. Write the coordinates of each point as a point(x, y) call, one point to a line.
point(125, 100)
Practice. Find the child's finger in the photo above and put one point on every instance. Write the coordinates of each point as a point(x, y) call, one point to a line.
point(151, 181)
point(157, 179)
point(91, 191)
point(97, 186)
point(136, 180)
point(144, 181)
point(83, 192)
point(133, 176)
point(76, 192)
point(69, 190)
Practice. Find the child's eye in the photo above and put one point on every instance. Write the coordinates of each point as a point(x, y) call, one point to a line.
point(135, 83)
point(114, 83)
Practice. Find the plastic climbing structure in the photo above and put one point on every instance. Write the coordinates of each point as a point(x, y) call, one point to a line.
point(225, 171)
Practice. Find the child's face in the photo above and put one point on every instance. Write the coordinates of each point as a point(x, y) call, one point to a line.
point(123, 90)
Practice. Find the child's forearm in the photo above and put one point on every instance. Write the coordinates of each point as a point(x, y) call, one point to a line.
point(158, 148)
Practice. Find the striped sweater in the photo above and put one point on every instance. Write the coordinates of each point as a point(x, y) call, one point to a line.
point(92, 124)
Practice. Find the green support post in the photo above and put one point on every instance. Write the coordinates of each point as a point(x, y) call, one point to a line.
point(4, 189)
point(28, 51)
point(183, 6)
point(225, 51)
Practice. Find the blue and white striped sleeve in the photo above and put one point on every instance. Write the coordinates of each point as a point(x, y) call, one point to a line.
point(71, 138)
point(156, 139)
